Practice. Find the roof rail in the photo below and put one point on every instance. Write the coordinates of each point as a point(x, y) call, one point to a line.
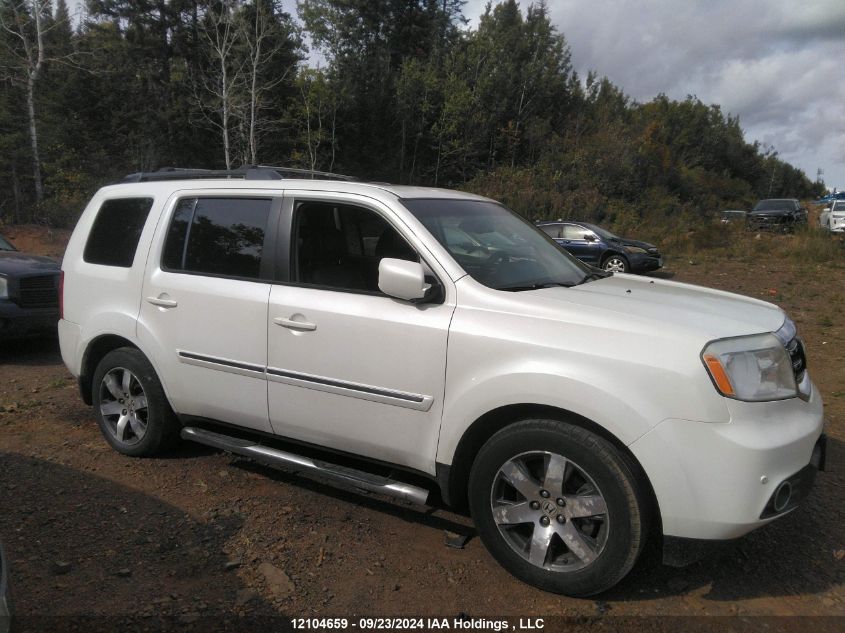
point(246, 172)
point(295, 172)
point(179, 173)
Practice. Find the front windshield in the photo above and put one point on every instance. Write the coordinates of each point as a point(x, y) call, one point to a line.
point(602, 232)
point(4, 245)
point(775, 205)
point(497, 247)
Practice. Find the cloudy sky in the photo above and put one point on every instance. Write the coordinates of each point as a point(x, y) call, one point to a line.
point(777, 64)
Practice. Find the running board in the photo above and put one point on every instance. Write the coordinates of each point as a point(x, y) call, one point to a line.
point(285, 460)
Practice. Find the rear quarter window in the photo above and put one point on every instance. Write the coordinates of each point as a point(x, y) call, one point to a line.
point(117, 228)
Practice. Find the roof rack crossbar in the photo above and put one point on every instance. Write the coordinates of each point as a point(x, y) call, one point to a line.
point(246, 172)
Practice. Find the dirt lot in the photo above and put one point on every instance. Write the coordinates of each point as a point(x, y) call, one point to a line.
point(91, 533)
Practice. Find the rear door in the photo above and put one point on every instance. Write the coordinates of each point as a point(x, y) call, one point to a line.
point(204, 304)
point(350, 368)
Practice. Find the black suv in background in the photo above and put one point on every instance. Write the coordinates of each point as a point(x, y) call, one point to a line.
point(777, 214)
point(29, 293)
point(599, 247)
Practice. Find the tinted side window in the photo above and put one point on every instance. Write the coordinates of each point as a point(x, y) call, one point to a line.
point(217, 236)
point(340, 246)
point(117, 228)
point(574, 232)
point(552, 230)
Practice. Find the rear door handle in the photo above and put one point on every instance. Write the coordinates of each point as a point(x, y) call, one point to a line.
point(303, 326)
point(162, 303)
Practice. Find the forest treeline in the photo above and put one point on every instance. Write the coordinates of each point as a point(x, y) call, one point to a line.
point(403, 92)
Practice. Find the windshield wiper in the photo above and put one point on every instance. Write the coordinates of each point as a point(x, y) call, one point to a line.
point(594, 276)
point(536, 286)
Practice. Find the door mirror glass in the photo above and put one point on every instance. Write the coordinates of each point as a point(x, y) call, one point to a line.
point(402, 279)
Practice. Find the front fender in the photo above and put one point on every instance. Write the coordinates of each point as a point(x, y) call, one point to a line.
point(607, 409)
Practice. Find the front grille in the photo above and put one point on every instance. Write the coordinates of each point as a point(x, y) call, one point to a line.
point(795, 349)
point(38, 292)
point(763, 221)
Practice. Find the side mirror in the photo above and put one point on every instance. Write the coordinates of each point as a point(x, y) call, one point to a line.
point(402, 279)
point(589, 237)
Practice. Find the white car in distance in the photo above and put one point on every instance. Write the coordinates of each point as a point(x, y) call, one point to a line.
point(832, 218)
point(571, 411)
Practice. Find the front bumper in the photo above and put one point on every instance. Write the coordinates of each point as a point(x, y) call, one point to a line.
point(643, 262)
point(679, 551)
point(18, 322)
point(715, 481)
point(777, 223)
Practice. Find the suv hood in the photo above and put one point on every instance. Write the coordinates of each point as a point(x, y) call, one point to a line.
point(661, 304)
point(16, 263)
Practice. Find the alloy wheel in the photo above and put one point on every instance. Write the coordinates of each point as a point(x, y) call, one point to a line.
point(615, 264)
point(123, 405)
point(550, 511)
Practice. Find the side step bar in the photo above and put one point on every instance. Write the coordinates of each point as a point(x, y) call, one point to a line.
point(289, 461)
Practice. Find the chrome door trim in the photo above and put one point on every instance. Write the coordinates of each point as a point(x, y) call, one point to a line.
point(353, 389)
point(222, 364)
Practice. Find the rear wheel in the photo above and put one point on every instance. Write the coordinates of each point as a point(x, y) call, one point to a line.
point(130, 405)
point(558, 506)
point(616, 263)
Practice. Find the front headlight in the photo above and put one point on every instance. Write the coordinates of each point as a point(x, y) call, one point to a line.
point(634, 249)
point(751, 368)
point(4, 288)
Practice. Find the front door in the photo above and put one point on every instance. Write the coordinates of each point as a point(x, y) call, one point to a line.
point(350, 368)
point(582, 243)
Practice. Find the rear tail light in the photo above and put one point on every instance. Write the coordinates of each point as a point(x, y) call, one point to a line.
point(62, 295)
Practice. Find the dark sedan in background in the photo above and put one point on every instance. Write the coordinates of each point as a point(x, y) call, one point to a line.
point(29, 293)
point(601, 248)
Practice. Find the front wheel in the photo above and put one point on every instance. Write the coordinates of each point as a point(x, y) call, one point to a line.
point(558, 506)
point(616, 263)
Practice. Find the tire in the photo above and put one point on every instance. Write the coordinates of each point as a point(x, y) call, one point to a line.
point(130, 405)
point(601, 503)
point(616, 263)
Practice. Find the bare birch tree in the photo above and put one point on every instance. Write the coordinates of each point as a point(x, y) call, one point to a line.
point(26, 48)
point(317, 115)
point(223, 77)
point(264, 39)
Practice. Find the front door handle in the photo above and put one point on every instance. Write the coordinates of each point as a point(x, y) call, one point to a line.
point(303, 326)
point(162, 303)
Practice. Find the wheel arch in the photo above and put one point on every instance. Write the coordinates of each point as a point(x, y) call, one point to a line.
point(95, 351)
point(453, 479)
point(610, 253)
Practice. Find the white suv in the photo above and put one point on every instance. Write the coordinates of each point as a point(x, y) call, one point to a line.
point(428, 340)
